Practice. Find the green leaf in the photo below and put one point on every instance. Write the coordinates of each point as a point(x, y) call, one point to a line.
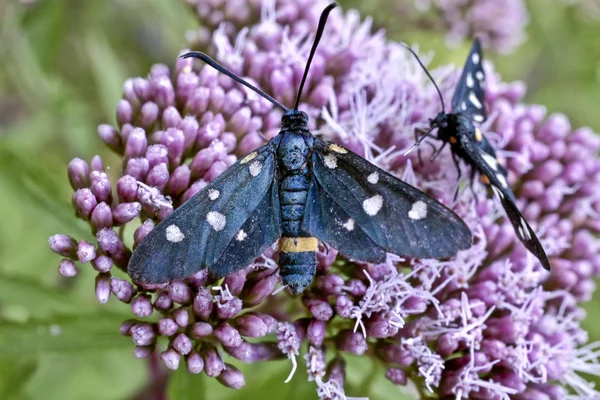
point(35, 299)
point(95, 331)
point(14, 374)
point(107, 374)
point(366, 378)
point(185, 386)
point(108, 71)
point(265, 381)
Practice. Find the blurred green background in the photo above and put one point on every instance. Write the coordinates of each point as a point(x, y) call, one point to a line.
point(62, 70)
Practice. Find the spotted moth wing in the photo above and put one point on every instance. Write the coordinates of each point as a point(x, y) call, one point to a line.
point(327, 221)
point(260, 230)
point(469, 95)
point(489, 166)
point(237, 213)
point(394, 215)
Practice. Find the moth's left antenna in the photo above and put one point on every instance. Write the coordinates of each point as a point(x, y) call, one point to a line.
point(222, 69)
point(320, 29)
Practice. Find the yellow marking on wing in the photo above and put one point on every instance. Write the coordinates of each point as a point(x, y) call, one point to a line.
point(478, 135)
point(484, 179)
point(337, 149)
point(298, 245)
point(453, 140)
point(249, 157)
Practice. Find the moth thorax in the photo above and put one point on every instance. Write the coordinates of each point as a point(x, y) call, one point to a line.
point(293, 151)
point(446, 134)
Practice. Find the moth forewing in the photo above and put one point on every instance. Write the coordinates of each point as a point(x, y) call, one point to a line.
point(394, 215)
point(498, 182)
point(195, 236)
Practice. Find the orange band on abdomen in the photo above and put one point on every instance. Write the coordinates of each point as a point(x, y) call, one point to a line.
point(298, 245)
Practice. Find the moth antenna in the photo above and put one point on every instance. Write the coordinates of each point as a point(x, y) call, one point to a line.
point(418, 142)
point(428, 74)
point(322, 21)
point(222, 69)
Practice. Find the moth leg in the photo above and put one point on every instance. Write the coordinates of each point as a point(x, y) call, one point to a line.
point(438, 151)
point(471, 186)
point(417, 132)
point(456, 163)
point(432, 146)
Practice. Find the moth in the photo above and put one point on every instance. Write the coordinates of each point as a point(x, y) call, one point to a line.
point(468, 143)
point(297, 189)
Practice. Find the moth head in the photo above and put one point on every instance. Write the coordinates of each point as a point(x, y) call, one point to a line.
point(440, 121)
point(294, 120)
point(294, 117)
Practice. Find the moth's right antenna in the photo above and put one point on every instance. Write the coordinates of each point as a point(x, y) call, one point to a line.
point(428, 74)
point(418, 142)
point(320, 29)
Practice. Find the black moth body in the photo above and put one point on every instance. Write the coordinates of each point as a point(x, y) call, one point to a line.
point(467, 143)
point(297, 189)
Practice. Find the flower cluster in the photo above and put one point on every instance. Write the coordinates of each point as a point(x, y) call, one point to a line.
point(489, 323)
point(500, 24)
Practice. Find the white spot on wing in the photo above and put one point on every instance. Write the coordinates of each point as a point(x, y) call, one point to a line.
point(213, 194)
point(521, 233)
point(474, 100)
point(241, 235)
point(470, 81)
point(372, 205)
point(479, 76)
point(526, 234)
point(216, 220)
point(478, 118)
point(331, 161)
point(502, 180)
point(475, 58)
point(497, 192)
point(174, 234)
point(418, 210)
point(373, 178)
point(349, 225)
point(255, 168)
point(463, 106)
point(489, 160)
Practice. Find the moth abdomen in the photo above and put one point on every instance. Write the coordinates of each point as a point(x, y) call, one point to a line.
point(294, 212)
point(297, 261)
point(297, 250)
point(289, 198)
point(292, 198)
point(294, 183)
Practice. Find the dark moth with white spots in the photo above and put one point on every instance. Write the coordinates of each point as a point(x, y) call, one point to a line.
point(297, 189)
point(469, 144)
